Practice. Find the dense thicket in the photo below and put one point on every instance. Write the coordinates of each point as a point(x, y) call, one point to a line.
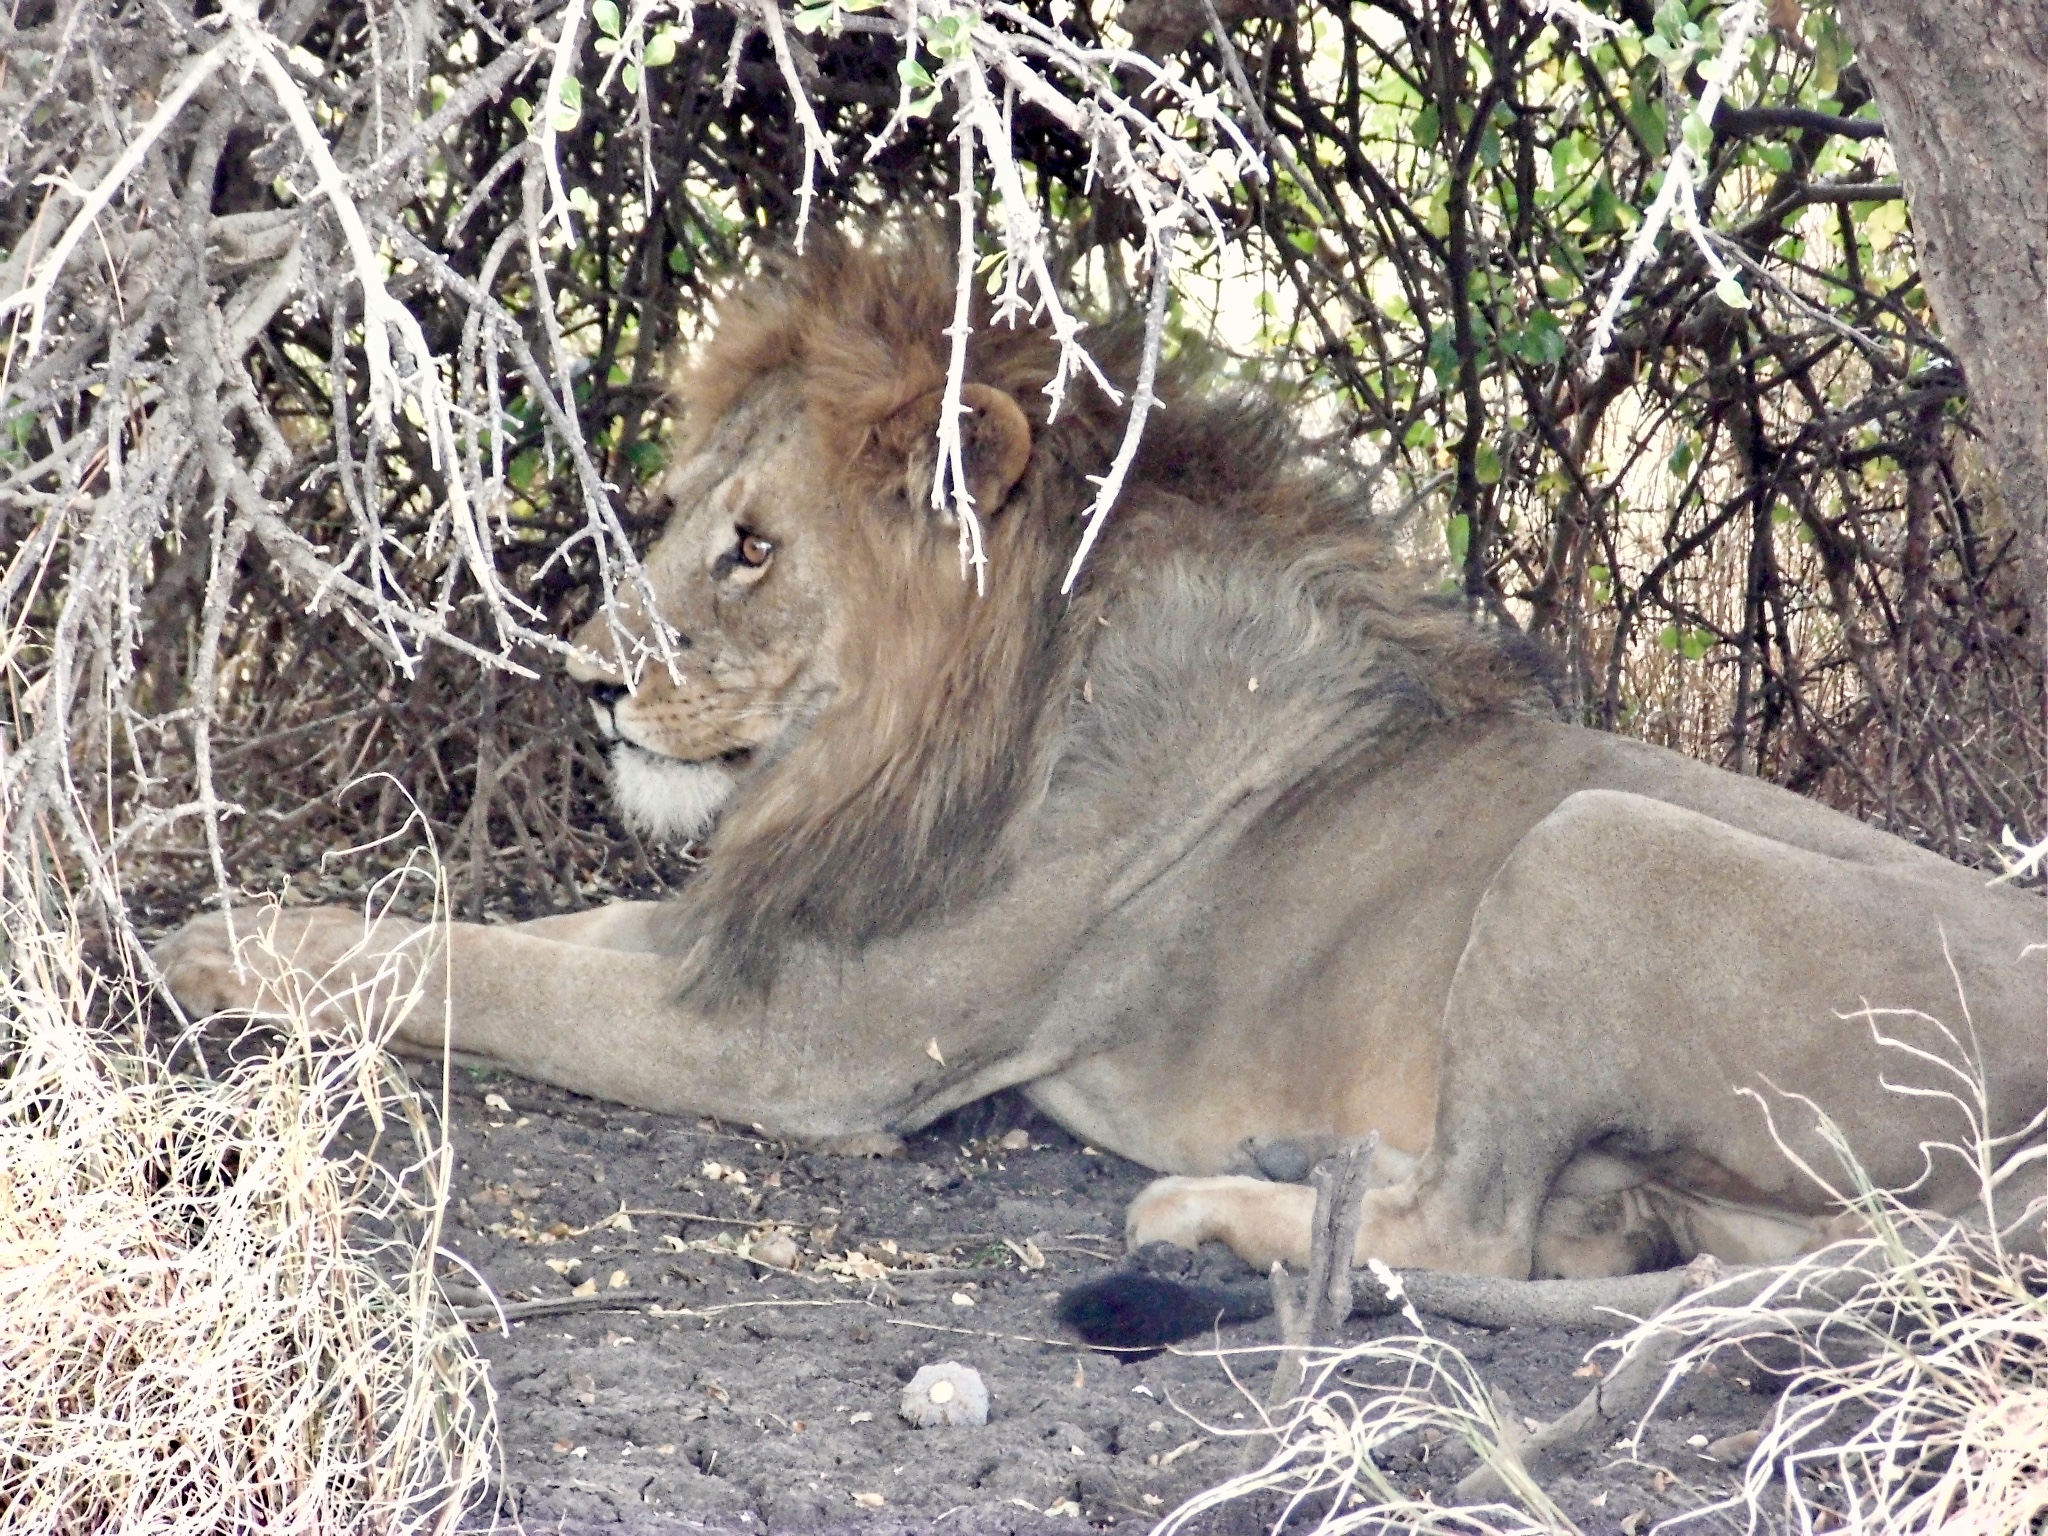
point(255, 548)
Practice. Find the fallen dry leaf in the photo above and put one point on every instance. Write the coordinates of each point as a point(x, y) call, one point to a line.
point(931, 1049)
point(587, 1288)
point(869, 1500)
point(1735, 1450)
point(620, 1280)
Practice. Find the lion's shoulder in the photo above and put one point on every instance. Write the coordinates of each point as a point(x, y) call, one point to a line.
point(1243, 590)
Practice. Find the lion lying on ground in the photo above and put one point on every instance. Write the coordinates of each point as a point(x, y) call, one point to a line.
point(1243, 848)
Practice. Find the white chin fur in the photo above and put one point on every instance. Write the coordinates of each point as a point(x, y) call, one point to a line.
point(665, 798)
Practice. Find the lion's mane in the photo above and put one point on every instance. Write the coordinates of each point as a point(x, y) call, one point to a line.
point(902, 800)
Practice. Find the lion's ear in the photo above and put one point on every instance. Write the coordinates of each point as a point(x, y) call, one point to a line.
point(995, 441)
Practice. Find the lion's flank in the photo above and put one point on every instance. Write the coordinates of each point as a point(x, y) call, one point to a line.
point(954, 716)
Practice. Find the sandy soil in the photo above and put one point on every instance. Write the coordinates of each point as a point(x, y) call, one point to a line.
point(692, 1386)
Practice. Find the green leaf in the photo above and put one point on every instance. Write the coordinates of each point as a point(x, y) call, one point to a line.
point(523, 469)
point(1671, 18)
point(915, 75)
point(1777, 156)
point(1603, 209)
point(1681, 458)
point(646, 458)
point(950, 37)
point(523, 110)
point(1486, 464)
point(1694, 644)
point(1443, 355)
point(606, 15)
point(681, 261)
point(1668, 637)
point(1568, 155)
point(1699, 138)
point(1831, 51)
point(1428, 124)
point(629, 74)
point(1542, 340)
point(661, 49)
point(1419, 435)
point(1458, 536)
point(568, 110)
point(1729, 292)
point(1489, 147)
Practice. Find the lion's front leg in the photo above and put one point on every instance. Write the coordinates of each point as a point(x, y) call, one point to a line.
point(589, 1004)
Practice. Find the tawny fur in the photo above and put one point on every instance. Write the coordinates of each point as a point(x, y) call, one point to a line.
point(899, 803)
point(1245, 844)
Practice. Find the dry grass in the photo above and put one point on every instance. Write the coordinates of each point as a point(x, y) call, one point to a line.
point(1919, 1397)
point(1324, 1475)
point(218, 1310)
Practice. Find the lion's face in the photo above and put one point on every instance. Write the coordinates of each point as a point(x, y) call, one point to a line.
point(743, 576)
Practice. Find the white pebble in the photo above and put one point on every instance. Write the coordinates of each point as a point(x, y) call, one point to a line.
point(946, 1393)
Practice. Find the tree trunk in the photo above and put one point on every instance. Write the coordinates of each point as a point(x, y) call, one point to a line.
point(1963, 89)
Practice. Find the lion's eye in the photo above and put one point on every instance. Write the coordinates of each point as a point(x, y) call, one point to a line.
point(754, 551)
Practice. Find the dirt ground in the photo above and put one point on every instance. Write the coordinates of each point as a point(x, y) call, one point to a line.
point(656, 1376)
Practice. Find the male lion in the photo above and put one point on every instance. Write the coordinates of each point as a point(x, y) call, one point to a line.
point(1245, 845)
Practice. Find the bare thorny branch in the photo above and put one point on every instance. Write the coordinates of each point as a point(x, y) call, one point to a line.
point(141, 362)
point(301, 313)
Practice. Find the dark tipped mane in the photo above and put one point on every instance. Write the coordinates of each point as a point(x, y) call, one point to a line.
point(900, 803)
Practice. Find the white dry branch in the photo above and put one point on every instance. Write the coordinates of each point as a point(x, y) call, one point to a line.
point(138, 345)
point(1677, 203)
point(129, 347)
point(991, 55)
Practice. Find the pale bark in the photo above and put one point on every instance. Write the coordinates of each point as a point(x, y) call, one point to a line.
point(1963, 89)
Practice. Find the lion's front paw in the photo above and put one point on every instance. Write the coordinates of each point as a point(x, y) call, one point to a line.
point(280, 963)
point(1261, 1221)
point(1168, 1210)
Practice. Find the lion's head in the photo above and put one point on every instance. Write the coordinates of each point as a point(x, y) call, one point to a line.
point(864, 727)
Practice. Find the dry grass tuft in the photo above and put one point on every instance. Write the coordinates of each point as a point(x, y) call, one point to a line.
point(217, 1303)
point(1918, 1396)
point(1324, 1476)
